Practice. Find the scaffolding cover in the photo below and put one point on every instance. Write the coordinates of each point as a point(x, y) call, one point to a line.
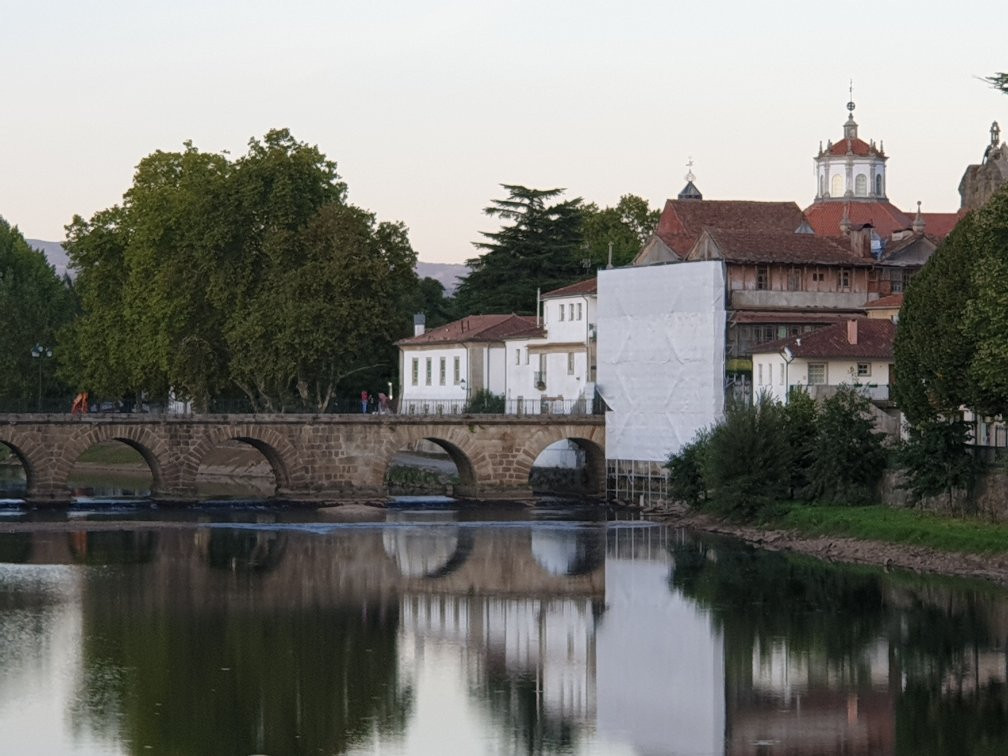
point(661, 347)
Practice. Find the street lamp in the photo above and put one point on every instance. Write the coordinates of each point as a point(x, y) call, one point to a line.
point(38, 352)
point(788, 356)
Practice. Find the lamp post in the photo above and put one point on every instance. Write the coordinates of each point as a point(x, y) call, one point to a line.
point(788, 356)
point(39, 352)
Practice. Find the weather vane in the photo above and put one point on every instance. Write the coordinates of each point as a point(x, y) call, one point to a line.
point(689, 169)
point(850, 103)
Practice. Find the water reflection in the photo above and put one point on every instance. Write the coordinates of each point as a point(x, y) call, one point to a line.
point(444, 633)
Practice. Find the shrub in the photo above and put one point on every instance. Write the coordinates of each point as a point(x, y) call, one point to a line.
point(848, 453)
point(686, 478)
point(484, 402)
point(747, 462)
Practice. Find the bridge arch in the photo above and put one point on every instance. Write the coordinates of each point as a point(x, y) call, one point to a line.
point(455, 444)
point(274, 446)
point(586, 442)
point(150, 445)
point(23, 452)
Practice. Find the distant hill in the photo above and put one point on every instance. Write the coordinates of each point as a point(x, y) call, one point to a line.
point(54, 253)
point(445, 273)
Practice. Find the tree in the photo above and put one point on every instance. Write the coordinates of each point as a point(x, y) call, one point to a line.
point(932, 349)
point(35, 304)
point(937, 458)
point(538, 248)
point(848, 457)
point(252, 275)
point(999, 81)
point(430, 299)
point(626, 226)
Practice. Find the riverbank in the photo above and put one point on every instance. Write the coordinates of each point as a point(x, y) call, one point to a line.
point(990, 566)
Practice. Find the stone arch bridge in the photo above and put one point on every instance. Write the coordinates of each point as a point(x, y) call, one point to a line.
point(315, 458)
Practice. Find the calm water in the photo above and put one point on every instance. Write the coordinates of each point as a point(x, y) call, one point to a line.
point(478, 632)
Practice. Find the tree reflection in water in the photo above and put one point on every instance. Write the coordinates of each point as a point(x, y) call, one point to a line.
point(907, 664)
point(248, 667)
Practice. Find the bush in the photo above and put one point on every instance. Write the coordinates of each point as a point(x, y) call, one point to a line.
point(937, 458)
point(848, 453)
point(686, 478)
point(484, 402)
point(747, 461)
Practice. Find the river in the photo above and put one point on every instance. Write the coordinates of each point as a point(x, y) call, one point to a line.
point(475, 630)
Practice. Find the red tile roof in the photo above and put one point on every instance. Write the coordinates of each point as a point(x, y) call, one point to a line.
point(886, 303)
point(825, 216)
point(682, 221)
point(855, 146)
point(589, 286)
point(940, 225)
point(874, 341)
point(783, 247)
point(476, 328)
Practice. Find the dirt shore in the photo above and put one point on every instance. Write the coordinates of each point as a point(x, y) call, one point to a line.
point(993, 568)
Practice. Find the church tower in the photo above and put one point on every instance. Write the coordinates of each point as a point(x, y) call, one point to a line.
point(850, 170)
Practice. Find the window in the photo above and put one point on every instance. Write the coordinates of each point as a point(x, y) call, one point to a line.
point(836, 186)
point(878, 184)
point(430, 370)
point(570, 363)
point(794, 279)
point(818, 276)
point(822, 183)
point(863, 369)
point(844, 279)
point(416, 370)
point(458, 371)
point(759, 373)
point(570, 311)
point(579, 311)
point(561, 312)
point(780, 377)
point(526, 356)
point(762, 277)
point(816, 373)
point(442, 372)
point(861, 185)
point(517, 356)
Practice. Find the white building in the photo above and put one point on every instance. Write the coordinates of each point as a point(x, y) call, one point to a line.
point(441, 369)
point(536, 365)
point(857, 352)
point(553, 370)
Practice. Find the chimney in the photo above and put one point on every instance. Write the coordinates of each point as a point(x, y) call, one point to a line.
point(852, 332)
point(419, 324)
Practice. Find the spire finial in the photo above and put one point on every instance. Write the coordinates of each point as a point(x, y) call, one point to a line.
point(918, 222)
point(850, 102)
point(689, 169)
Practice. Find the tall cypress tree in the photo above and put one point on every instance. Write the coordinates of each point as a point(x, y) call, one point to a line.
point(539, 247)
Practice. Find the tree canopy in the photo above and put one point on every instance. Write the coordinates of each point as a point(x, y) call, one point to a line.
point(999, 81)
point(35, 303)
point(538, 247)
point(216, 276)
point(546, 243)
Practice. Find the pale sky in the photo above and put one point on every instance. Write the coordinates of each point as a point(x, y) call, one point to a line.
point(428, 106)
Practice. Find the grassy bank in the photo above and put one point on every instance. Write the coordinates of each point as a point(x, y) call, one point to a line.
point(897, 526)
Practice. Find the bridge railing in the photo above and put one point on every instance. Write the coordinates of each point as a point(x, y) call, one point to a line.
point(410, 407)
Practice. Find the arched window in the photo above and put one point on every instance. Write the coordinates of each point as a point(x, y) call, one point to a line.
point(878, 184)
point(822, 184)
point(861, 185)
point(836, 186)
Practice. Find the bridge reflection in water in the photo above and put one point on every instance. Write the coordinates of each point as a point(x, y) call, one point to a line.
point(530, 636)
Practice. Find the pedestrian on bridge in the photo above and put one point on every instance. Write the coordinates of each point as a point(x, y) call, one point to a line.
point(364, 396)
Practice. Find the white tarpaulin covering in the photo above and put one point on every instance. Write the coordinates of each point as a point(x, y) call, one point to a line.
point(661, 347)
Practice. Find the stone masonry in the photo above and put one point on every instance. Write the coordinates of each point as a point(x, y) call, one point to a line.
point(315, 458)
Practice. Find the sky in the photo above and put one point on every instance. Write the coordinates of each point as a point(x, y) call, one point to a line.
point(427, 107)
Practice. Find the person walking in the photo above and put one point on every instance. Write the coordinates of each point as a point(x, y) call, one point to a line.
point(383, 405)
point(364, 396)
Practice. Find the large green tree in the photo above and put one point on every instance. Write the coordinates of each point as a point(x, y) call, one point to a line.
point(626, 227)
point(34, 304)
point(538, 247)
point(216, 276)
